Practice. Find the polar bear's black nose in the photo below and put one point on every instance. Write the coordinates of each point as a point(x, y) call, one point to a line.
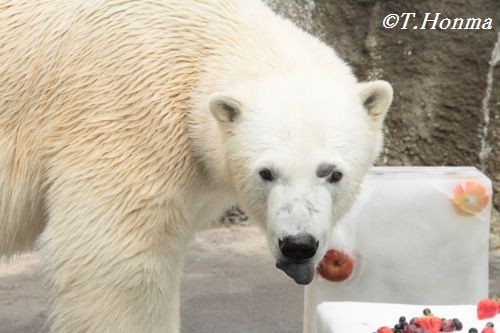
point(298, 248)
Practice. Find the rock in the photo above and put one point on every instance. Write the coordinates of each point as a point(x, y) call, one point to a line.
point(447, 93)
point(495, 233)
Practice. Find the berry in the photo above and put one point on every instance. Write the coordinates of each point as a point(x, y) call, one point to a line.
point(473, 330)
point(407, 329)
point(429, 322)
point(487, 308)
point(458, 324)
point(414, 329)
point(488, 328)
point(448, 325)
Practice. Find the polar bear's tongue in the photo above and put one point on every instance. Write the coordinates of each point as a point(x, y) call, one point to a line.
point(302, 273)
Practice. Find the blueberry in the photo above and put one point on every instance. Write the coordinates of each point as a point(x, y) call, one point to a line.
point(402, 319)
point(490, 324)
point(473, 330)
point(458, 324)
point(427, 312)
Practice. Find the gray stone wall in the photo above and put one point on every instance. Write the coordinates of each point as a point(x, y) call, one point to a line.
point(446, 82)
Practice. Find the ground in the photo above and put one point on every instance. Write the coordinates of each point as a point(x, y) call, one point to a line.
point(239, 291)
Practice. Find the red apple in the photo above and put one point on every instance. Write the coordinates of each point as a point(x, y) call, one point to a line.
point(336, 266)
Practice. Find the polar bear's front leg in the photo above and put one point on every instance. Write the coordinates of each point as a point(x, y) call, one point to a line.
point(109, 274)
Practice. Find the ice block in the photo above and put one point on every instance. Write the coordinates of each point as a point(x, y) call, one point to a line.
point(418, 235)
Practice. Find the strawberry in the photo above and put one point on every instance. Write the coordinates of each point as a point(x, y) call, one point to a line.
point(488, 328)
point(429, 322)
point(487, 308)
point(384, 329)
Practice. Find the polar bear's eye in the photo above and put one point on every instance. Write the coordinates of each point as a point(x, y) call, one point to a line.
point(335, 177)
point(330, 171)
point(266, 174)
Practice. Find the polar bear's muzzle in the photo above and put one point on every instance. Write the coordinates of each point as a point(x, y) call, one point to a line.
point(297, 253)
point(298, 225)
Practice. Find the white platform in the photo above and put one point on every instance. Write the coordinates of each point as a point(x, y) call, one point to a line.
point(351, 317)
point(409, 243)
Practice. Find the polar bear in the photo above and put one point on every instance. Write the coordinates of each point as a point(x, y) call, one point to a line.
point(127, 125)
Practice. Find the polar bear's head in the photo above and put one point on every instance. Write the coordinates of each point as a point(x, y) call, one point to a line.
point(296, 152)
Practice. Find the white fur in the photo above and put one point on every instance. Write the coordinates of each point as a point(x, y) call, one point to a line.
point(111, 158)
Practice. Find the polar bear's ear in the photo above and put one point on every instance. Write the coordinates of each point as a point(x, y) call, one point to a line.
point(225, 109)
point(376, 97)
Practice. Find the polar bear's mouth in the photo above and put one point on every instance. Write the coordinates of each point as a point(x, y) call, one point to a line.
point(300, 272)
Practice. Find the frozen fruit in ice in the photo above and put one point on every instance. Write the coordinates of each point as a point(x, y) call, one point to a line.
point(336, 266)
point(448, 325)
point(414, 329)
point(384, 329)
point(399, 326)
point(469, 199)
point(487, 308)
point(458, 324)
point(409, 328)
point(429, 322)
point(488, 328)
